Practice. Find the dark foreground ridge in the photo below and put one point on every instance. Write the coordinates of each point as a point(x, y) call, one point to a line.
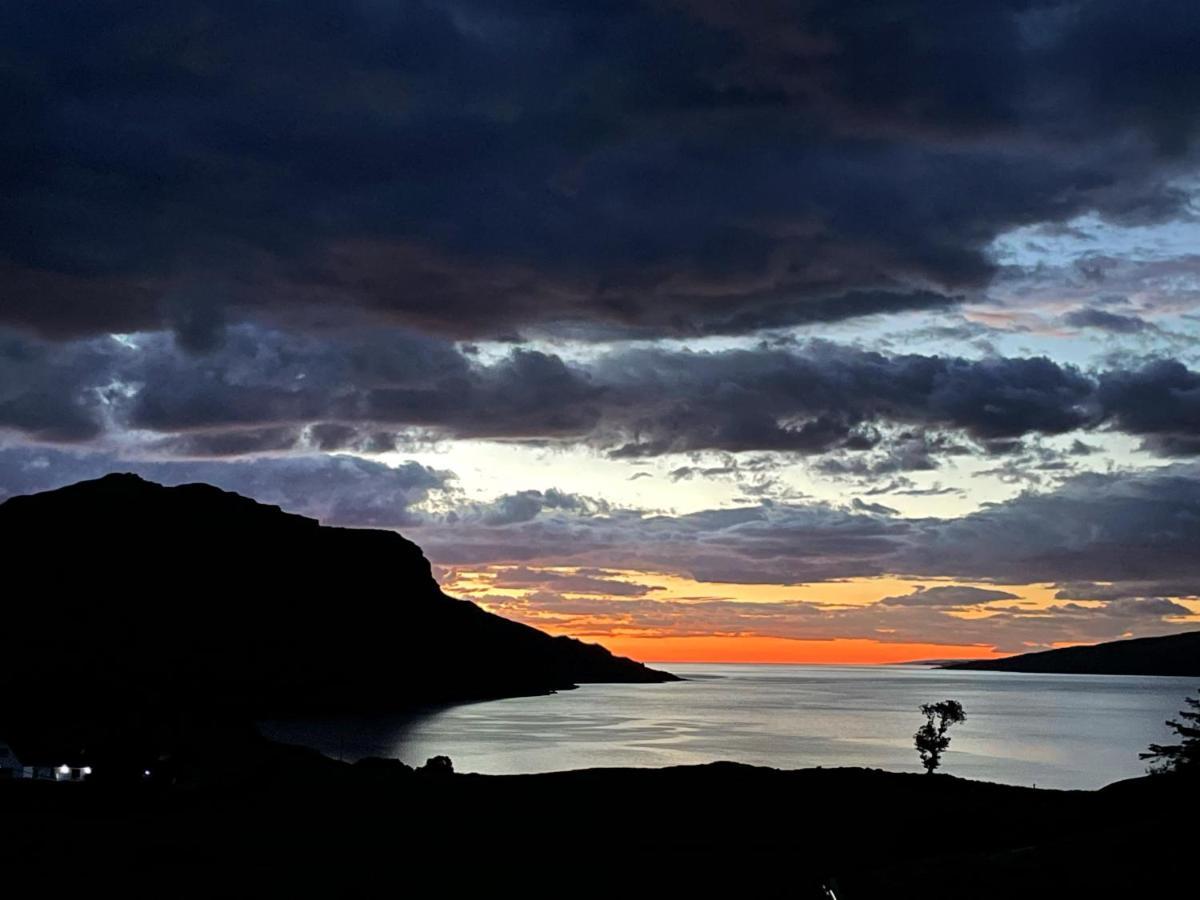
point(251, 817)
point(136, 610)
point(1175, 654)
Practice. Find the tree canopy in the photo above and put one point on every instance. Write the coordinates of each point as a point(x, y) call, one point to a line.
point(1184, 757)
point(931, 739)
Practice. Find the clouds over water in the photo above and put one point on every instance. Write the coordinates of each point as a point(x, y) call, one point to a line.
point(267, 245)
point(1119, 546)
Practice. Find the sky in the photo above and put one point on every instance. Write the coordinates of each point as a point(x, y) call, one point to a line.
point(846, 331)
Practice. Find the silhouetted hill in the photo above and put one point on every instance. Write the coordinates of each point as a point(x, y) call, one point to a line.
point(281, 821)
point(127, 601)
point(1175, 654)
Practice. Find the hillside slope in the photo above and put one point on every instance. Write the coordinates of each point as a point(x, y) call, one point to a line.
point(1174, 654)
point(127, 595)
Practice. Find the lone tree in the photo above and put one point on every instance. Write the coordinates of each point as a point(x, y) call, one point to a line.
point(931, 739)
point(1182, 758)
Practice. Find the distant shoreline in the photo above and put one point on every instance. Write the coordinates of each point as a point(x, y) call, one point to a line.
point(1169, 656)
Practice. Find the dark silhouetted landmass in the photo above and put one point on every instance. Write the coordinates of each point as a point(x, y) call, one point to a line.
point(259, 818)
point(137, 609)
point(1174, 654)
point(933, 663)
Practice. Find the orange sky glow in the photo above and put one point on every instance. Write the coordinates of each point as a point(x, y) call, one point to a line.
point(847, 651)
point(495, 589)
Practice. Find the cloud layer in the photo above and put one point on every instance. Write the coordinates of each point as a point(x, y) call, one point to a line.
point(1101, 536)
point(266, 245)
point(271, 391)
point(477, 169)
point(1120, 546)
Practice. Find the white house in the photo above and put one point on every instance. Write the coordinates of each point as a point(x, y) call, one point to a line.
point(42, 769)
point(65, 772)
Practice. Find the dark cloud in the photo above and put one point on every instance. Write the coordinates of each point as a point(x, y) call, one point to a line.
point(528, 394)
point(1126, 590)
point(826, 397)
point(197, 319)
point(1134, 70)
point(600, 582)
point(870, 414)
point(686, 473)
point(771, 542)
point(949, 595)
point(1160, 402)
point(480, 169)
point(878, 509)
point(524, 506)
point(1110, 527)
point(905, 451)
point(1030, 463)
point(1102, 320)
point(53, 393)
point(231, 442)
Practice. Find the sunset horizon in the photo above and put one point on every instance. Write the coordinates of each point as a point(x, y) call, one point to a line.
point(724, 302)
point(445, 440)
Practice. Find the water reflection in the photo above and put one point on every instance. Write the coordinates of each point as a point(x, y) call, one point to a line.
point(1066, 731)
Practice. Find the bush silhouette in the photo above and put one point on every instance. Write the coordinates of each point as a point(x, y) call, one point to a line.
point(437, 766)
point(931, 739)
point(1184, 757)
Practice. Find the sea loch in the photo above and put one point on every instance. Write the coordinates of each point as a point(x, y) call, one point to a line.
point(1061, 731)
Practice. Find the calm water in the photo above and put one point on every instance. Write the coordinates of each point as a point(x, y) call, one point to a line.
point(1066, 731)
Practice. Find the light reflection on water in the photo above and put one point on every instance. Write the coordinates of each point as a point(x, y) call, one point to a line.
point(1068, 731)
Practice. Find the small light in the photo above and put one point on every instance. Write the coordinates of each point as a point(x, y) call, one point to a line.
point(86, 770)
point(64, 770)
point(147, 773)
